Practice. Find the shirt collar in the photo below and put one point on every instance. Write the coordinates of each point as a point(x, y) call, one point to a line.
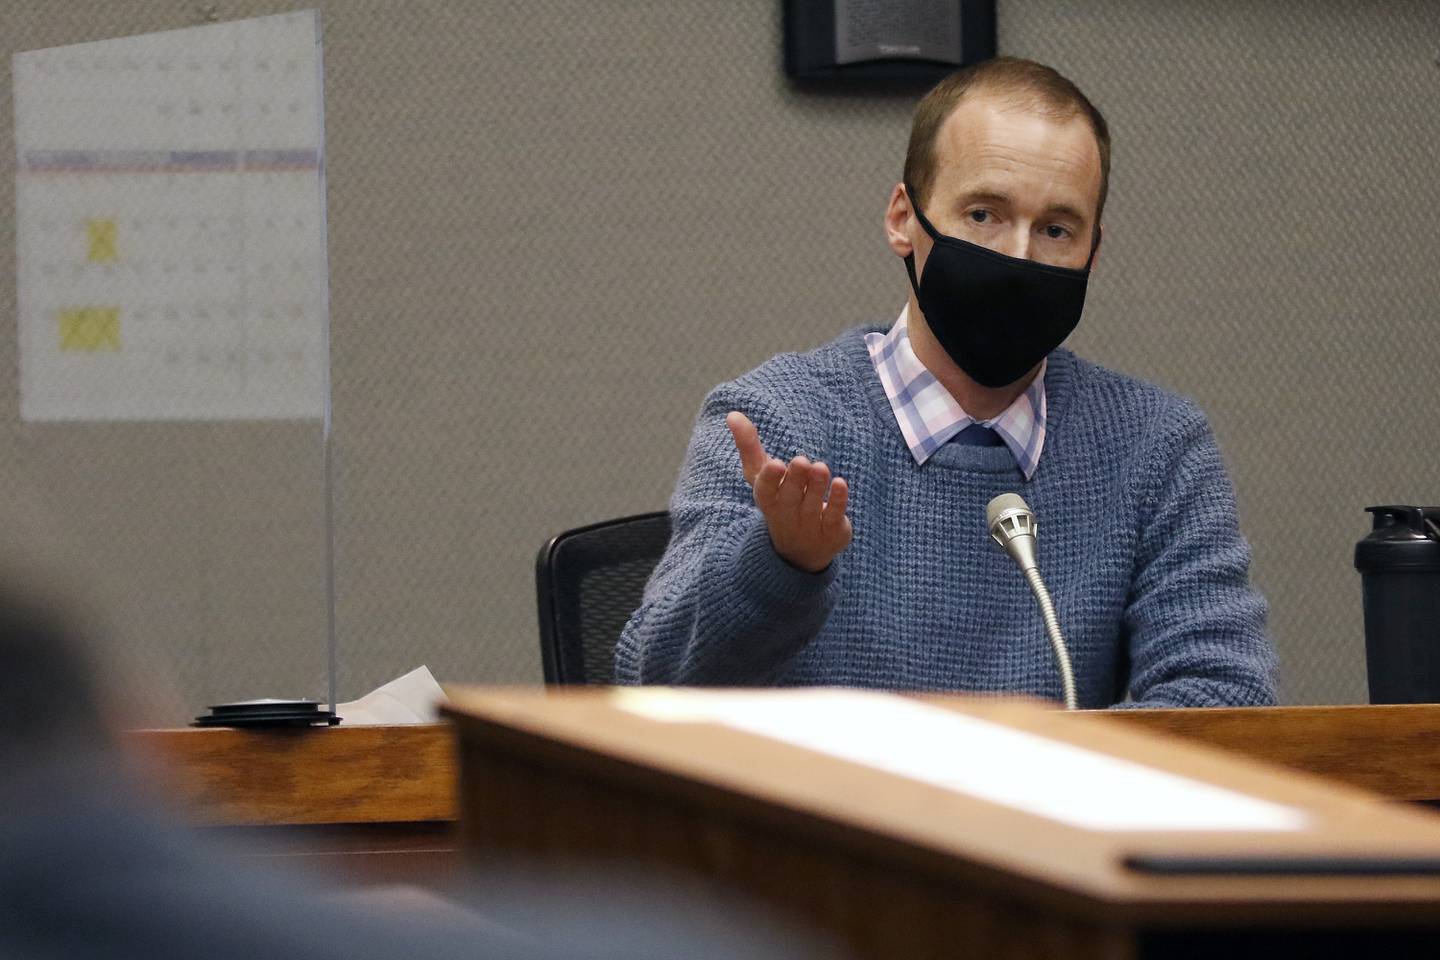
point(928, 415)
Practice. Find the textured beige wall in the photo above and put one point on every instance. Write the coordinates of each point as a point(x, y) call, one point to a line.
point(554, 224)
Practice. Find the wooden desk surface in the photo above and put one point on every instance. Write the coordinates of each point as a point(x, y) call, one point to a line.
point(378, 804)
point(514, 743)
point(365, 806)
point(406, 774)
point(1391, 750)
point(334, 775)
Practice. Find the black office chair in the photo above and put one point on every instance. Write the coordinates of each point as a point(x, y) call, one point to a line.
point(588, 582)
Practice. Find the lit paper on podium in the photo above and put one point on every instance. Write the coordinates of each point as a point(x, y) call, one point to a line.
point(412, 698)
point(170, 225)
point(1012, 768)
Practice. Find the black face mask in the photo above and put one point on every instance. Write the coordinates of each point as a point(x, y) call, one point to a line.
point(996, 316)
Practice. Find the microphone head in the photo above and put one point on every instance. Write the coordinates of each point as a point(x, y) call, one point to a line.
point(1007, 504)
point(1012, 526)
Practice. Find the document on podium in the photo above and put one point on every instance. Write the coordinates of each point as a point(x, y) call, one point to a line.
point(170, 225)
point(1023, 771)
point(412, 698)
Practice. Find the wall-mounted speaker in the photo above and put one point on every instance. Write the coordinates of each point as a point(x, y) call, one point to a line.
point(907, 42)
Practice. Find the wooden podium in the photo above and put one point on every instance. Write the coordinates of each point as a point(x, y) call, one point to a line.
point(899, 867)
point(361, 805)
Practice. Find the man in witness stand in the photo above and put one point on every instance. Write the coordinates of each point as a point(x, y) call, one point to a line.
point(829, 522)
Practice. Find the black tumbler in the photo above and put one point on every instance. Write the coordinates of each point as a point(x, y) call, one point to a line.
point(1399, 564)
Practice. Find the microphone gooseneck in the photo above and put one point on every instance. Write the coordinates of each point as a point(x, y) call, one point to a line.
point(1012, 526)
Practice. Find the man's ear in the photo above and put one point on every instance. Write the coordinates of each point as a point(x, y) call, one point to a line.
point(1095, 250)
point(899, 220)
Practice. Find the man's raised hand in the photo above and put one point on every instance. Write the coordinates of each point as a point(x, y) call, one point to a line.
point(807, 528)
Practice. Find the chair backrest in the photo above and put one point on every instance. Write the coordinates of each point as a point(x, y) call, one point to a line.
point(588, 582)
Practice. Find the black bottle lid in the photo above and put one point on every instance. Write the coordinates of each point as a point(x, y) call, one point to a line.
point(1403, 538)
point(268, 712)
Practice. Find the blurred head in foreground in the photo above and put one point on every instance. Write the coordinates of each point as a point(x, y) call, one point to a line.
point(87, 870)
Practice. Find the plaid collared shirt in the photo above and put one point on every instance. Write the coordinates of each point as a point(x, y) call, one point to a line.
point(927, 414)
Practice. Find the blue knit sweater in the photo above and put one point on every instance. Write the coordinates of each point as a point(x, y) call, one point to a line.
point(1137, 541)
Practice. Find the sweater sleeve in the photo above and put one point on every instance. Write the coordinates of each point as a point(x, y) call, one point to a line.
point(1195, 627)
point(722, 607)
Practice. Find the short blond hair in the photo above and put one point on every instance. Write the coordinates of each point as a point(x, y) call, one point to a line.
point(1024, 82)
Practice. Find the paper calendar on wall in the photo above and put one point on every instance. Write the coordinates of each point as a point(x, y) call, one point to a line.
point(170, 225)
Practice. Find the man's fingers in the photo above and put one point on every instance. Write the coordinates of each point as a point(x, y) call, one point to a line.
point(767, 484)
point(814, 500)
point(803, 505)
point(792, 491)
point(835, 519)
point(747, 442)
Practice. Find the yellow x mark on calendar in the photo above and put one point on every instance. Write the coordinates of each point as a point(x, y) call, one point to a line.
point(103, 236)
point(90, 330)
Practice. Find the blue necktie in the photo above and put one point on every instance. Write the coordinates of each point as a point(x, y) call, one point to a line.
point(977, 435)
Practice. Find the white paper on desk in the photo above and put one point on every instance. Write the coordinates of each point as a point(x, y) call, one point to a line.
point(408, 699)
point(995, 763)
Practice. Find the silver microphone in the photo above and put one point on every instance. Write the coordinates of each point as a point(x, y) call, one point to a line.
point(1012, 526)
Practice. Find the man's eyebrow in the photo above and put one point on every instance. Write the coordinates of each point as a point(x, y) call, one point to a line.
point(988, 196)
point(1066, 210)
point(1000, 197)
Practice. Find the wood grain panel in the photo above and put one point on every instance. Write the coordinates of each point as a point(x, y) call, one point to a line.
point(991, 851)
point(340, 775)
point(535, 814)
point(1390, 750)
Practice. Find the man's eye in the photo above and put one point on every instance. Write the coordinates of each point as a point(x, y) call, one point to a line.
point(980, 216)
point(1056, 232)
